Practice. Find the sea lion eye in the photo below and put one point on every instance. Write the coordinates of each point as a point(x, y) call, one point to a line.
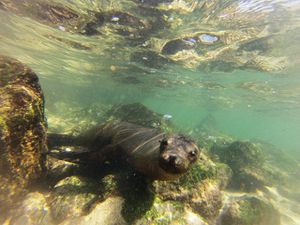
point(163, 143)
point(193, 153)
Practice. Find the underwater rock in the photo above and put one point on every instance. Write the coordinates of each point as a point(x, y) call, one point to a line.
point(104, 213)
point(248, 210)
point(171, 213)
point(208, 201)
point(246, 161)
point(165, 212)
point(59, 169)
point(33, 210)
point(72, 197)
point(240, 154)
point(138, 114)
point(193, 219)
point(22, 130)
point(65, 118)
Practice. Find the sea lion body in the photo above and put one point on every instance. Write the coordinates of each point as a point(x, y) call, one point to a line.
point(150, 151)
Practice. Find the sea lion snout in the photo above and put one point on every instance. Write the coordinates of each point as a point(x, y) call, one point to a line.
point(177, 154)
point(174, 162)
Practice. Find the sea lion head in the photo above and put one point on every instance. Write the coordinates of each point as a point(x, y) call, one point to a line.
point(177, 154)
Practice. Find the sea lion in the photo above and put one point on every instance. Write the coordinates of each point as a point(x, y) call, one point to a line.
point(150, 151)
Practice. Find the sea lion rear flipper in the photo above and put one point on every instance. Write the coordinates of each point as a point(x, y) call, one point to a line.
point(83, 155)
point(54, 140)
point(76, 154)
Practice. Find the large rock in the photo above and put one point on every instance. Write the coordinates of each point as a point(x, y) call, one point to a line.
point(247, 163)
point(72, 197)
point(139, 114)
point(105, 213)
point(33, 210)
point(248, 210)
point(22, 130)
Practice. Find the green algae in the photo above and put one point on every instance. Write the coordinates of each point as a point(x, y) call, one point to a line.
point(2, 124)
point(255, 211)
point(196, 174)
point(160, 212)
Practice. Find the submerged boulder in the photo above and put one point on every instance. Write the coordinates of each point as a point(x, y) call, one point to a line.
point(249, 210)
point(72, 197)
point(22, 130)
point(104, 213)
point(247, 163)
point(240, 154)
point(139, 114)
point(34, 209)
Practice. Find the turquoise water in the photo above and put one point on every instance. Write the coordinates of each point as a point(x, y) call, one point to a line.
point(251, 90)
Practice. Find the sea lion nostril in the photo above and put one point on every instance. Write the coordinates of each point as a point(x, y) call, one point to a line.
point(172, 159)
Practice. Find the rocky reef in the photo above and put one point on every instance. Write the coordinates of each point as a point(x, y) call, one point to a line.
point(22, 130)
point(249, 210)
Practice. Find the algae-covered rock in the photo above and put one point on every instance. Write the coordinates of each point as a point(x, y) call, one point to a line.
point(59, 169)
point(139, 114)
point(247, 163)
point(249, 210)
point(22, 130)
point(104, 213)
point(72, 197)
point(240, 154)
point(34, 209)
point(73, 119)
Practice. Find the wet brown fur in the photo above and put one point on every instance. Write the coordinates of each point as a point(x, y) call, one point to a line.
point(143, 148)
